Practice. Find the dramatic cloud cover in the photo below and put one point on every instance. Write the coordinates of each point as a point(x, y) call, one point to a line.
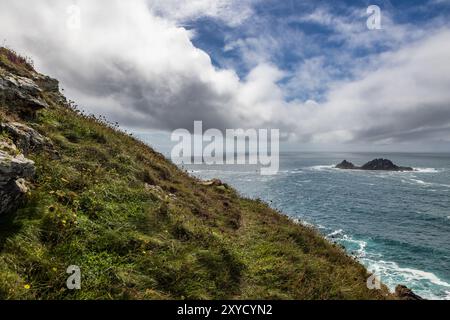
point(313, 71)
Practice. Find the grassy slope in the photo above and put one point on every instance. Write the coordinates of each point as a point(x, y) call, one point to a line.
point(92, 208)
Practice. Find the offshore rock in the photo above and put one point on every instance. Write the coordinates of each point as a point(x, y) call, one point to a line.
point(377, 164)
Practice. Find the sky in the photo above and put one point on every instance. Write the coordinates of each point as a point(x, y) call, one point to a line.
point(312, 69)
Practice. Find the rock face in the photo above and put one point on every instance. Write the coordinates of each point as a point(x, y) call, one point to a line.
point(21, 95)
point(212, 183)
point(26, 138)
point(404, 293)
point(377, 164)
point(346, 165)
point(14, 170)
point(384, 164)
point(47, 84)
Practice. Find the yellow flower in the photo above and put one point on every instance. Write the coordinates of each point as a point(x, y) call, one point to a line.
point(54, 269)
point(27, 286)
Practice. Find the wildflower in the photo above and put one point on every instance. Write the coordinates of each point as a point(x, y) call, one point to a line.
point(27, 287)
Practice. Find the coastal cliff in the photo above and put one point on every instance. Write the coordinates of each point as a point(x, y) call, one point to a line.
point(75, 190)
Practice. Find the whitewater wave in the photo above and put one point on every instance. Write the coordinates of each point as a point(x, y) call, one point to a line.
point(426, 170)
point(390, 273)
point(322, 167)
point(356, 247)
point(335, 233)
point(427, 184)
point(422, 182)
point(303, 223)
point(416, 170)
point(294, 171)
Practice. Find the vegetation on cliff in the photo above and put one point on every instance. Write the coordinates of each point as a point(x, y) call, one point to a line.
point(140, 228)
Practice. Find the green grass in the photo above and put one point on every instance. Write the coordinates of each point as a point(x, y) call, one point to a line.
point(178, 239)
point(12, 61)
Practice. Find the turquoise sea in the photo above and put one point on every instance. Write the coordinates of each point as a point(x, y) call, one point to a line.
point(396, 223)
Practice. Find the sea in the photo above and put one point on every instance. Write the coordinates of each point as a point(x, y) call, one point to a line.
point(397, 224)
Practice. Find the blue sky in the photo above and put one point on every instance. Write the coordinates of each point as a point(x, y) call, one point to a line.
point(309, 68)
point(293, 39)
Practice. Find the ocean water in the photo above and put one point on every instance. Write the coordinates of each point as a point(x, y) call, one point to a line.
point(396, 223)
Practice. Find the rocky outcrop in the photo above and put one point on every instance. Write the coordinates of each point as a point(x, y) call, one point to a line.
point(346, 165)
point(212, 183)
point(27, 139)
point(47, 84)
point(404, 293)
point(20, 95)
point(17, 141)
point(384, 164)
point(377, 164)
point(14, 170)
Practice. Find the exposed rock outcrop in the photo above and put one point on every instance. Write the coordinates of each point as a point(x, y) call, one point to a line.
point(47, 84)
point(25, 138)
point(384, 164)
point(20, 95)
point(404, 293)
point(212, 183)
point(14, 170)
point(377, 164)
point(346, 165)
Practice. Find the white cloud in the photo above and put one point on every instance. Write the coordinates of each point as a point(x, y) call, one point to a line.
point(232, 12)
point(143, 70)
point(406, 98)
point(351, 28)
point(124, 62)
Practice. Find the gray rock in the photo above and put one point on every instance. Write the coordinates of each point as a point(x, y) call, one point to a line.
point(48, 84)
point(404, 293)
point(212, 183)
point(20, 95)
point(8, 147)
point(14, 170)
point(377, 164)
point(25, 138)
point(346, 165)
point(384, 164)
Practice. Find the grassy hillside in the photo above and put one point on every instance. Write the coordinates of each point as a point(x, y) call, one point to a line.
point(140, 228)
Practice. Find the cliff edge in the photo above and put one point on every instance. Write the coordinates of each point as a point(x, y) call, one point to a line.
point(75, 190)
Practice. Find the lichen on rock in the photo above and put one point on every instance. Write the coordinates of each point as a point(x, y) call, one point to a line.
point(15, 169)
point(27, 139)
point(20, 95)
